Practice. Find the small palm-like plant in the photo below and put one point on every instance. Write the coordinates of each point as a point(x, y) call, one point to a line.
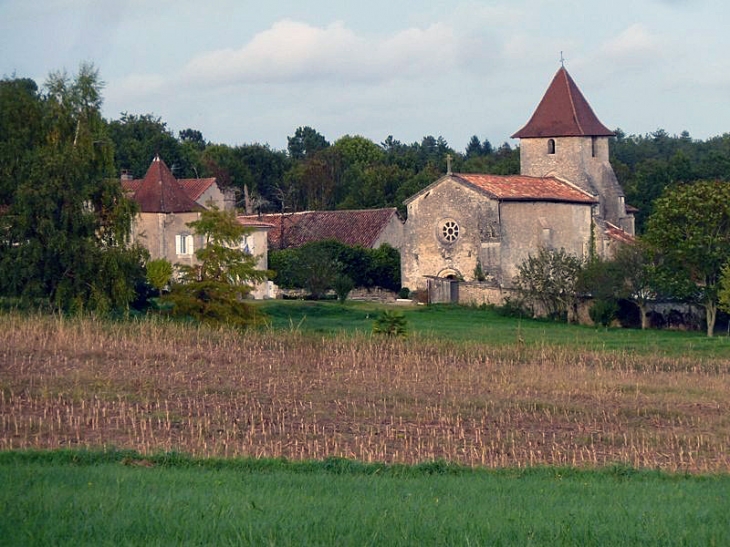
point(391, 323)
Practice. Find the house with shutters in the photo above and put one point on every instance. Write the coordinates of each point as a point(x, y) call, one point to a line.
point(565, 197)
point(167, 205)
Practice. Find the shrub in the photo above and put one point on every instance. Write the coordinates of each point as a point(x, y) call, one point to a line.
point(602, 312)
point(391, 324)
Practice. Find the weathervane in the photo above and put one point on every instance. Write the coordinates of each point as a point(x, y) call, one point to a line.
point(562, 60)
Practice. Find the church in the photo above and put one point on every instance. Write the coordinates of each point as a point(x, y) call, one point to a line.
point(471, 227)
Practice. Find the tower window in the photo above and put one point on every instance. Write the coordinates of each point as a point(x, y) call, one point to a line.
point(551, 146)
point(593, 147)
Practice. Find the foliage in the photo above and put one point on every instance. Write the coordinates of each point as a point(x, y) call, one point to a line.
point(724, 291)
point(65, 219)
point(342, 286)
point(213, 289)
point(391, 323)
point(479, 274)
point(159, 273)
point(139, 138)
point(646, 165)
point(603, 312)
point(690, 230)
point(316, 265)
point(547, 283)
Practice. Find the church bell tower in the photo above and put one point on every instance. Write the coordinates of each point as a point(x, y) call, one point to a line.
point(565, 139)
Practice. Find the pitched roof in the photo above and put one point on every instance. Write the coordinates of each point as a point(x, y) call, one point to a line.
point(195, 188)
point(361, 227)
point(563, 112)
point(524, 188)
point(617, 234)
point(160, 192)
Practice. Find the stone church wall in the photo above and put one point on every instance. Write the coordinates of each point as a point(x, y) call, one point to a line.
point(528, 226)
point(426, 250)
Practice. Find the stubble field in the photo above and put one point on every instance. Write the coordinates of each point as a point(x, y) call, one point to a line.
point(155, 387)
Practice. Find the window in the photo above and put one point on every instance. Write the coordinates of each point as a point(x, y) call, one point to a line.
point(551, 146)
point(184, 244)
point(449, 230)
point(593, 147)
point(248, 244)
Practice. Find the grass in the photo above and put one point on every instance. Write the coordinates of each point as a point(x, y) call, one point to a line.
point(471, 324)
point(79, 498)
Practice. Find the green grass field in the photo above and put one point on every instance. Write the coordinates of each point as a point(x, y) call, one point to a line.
point(70, 498)
point(485, 326)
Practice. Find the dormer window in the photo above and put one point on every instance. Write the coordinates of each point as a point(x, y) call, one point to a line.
point(551, 146)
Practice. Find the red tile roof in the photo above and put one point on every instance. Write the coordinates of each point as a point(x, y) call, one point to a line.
point(362, 227)
point(524, 188)
point(195, 188)
point(252, 222)
point(159, 191)
point(563, 112)
point(617, 234)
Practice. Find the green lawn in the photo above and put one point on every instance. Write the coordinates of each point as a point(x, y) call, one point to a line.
point(470, 324)
point(96, 499)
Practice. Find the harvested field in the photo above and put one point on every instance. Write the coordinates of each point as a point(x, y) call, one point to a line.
point(152, 387)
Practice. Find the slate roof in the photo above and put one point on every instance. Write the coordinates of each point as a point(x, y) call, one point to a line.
point(160, 192)
point(563, 112)
point(524, 188)
point(358, 227)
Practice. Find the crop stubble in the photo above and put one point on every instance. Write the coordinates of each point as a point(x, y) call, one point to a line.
point(154, 387)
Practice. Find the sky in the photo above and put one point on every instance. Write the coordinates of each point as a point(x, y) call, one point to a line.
point(245, 72)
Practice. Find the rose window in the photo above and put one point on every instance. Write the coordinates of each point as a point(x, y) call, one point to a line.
point(450, 231)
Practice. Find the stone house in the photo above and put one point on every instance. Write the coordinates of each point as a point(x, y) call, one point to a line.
point(368, 228)
point(566, 196)
point(167, 205)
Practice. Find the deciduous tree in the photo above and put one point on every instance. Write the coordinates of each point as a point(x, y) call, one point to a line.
point(690, 229)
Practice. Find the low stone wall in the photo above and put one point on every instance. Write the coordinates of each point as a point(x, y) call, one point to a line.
point(473, 293)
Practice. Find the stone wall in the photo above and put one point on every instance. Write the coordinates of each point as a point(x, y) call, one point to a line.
point(584, 162)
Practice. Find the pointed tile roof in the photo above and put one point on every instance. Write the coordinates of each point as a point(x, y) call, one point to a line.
point(563, 112)
point(160, 192)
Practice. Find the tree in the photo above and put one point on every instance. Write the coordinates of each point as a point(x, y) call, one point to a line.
point(548, 281)
point(690, 229)
point(636, 265)
point(213, 289)
point(65, 219)
point(138, 139)
point(305, 143)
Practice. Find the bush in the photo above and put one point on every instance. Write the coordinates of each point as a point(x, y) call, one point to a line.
point(602, 312)
point(391, 324)
point(342, 286)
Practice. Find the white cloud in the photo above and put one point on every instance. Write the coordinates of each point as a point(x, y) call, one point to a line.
point(135, 86)
point(635, 45)
point(292, 51)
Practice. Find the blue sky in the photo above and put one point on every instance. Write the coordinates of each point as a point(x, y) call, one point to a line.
point(244, 72)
